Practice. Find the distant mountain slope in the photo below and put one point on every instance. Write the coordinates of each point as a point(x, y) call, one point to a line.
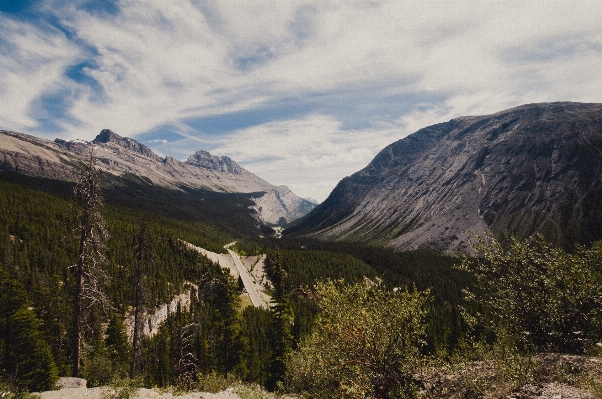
point(534, 168)
point(121, 155)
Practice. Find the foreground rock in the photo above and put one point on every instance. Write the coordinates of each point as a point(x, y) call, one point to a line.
point(71, 382)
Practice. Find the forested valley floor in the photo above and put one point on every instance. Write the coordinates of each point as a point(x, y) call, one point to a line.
point(346, 320)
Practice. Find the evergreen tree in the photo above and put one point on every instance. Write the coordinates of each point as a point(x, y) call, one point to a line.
point(116, 342)
point(26, 357)
point(282, 337)
point(231, 344)
point(88, 270)
point(144, 259)
point(257, 328)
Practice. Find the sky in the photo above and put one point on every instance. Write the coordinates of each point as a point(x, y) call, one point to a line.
point(301, 93)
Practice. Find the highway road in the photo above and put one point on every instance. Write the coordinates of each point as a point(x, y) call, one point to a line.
point(246, 279)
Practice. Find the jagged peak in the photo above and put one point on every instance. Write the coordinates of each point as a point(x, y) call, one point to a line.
point(107, 136)
point(203, 159)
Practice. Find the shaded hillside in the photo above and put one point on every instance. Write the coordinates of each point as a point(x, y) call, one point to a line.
point(532, 169)
point(227, 212)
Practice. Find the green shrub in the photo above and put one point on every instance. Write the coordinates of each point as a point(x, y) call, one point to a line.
point(122, 388)
point(366, 343)
point(546, 298)
point(252, 392)
point(215, 382)
point(98, 370)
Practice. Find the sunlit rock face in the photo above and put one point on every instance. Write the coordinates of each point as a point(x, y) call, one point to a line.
point(532, 169)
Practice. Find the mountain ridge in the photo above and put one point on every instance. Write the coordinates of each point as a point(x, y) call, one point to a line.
point(119, 155)
point(531, 169)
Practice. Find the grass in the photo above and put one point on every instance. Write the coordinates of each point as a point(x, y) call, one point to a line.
point(245, 301)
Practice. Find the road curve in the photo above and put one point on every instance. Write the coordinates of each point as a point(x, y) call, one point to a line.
point(246, 279)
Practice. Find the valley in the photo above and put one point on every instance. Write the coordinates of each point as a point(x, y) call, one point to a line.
point(469, 252)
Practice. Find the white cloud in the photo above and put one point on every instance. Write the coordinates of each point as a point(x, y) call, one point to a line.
point(32, 64)
point(160, 63)
point(310, 155)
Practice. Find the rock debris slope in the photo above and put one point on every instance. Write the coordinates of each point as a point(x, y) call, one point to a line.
point(534, 168)
point(120, 155)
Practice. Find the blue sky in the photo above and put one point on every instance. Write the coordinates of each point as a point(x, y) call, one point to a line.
point(301, 93)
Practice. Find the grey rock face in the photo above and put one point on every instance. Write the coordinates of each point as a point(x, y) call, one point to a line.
point(203, 159)
point(532, 169)
point(107, 136)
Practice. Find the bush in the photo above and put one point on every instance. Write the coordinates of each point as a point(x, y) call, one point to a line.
point(98, 370)
point(366, 343)
point(546, 298)
point(252, 392)
point(215, 382)
point(122, 388)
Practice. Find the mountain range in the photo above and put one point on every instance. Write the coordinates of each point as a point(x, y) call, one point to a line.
point(125, 161)
point(532, 169)
point(536, 168)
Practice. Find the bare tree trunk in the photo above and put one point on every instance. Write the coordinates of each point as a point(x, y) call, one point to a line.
point(79, 298)
point(88, 273)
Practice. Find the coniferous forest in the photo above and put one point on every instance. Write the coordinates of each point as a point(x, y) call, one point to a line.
point(419, 307)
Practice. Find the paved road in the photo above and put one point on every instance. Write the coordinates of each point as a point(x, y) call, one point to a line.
point(246, 279)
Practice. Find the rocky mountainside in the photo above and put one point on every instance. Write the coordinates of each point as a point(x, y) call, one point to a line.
point(118, 155)
point(534, 168)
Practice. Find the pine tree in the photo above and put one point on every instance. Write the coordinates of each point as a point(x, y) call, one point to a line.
point(27, 358)
point(88, 270)
point(282, 337)
point(116, 342)
point(144, 260)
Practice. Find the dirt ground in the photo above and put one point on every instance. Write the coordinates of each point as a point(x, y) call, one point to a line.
point(143, 393)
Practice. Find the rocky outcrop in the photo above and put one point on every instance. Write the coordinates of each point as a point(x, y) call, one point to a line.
point(532, 169)
point(118, 155)
point(280, 205)
point(70, 383)
point(152, 321)
point(203, 159)
point(107, 136)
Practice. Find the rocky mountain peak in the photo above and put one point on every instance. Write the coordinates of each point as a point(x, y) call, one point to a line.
point(203, 159)
point(107, 136)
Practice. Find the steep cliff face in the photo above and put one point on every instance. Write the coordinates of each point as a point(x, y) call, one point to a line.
point(534, 168)
point(121, 155)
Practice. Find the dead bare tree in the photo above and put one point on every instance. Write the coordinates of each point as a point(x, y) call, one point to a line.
point(89, 272)
point(185, 366)
point(145, 258)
